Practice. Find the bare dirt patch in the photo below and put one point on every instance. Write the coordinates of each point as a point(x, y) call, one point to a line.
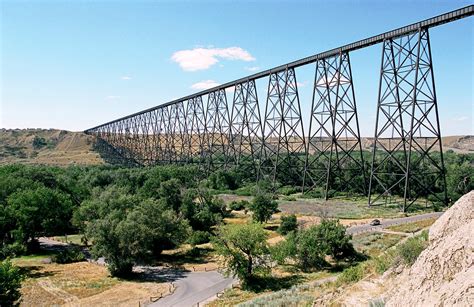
point(81, 284)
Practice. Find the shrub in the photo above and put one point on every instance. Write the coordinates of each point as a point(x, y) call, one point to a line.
point(287, 190)
point(412, 248)
point(238, 205)
point(262, 207)
point(352, 274)
point(10, 284)
point(69, 255)
point(288, 223)
point(12, 250)
point(284, 249)
point(199, 237)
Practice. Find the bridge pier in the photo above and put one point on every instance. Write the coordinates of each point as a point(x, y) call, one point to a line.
point(283, 151)
point(218, 127)
point(334, 158)
point(407, 131)
point(246, 127)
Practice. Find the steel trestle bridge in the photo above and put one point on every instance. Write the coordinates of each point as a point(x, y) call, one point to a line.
point(214, 131)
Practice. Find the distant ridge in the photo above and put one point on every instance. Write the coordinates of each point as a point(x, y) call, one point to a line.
point(61, 147)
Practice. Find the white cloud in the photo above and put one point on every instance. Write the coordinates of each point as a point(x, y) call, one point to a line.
point(204, 85)
point(253, 68)
point(126, 78)
point(461, 119)
point(203, 58)
point(111, 97)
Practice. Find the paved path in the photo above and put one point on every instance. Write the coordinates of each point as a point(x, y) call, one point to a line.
point(194, 288)
point(392, 222)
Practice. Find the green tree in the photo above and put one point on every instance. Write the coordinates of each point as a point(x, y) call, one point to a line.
point(170, 192)
point(10, 284)
point(125, 238)
point(262, 207)
point(243, 248)
point(202, 209)
point(288, 223)
point(40, 211)
point(333, 239)
point(309, 247)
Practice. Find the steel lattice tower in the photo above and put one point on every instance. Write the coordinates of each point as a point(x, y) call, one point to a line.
point(246, 131)
point(407, 132)
point(282, 153)
point(218, 127)
point(334, 158)
point(196, 122)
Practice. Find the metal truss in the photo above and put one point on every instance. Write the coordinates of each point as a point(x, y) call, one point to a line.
point(334, 158)
point(198, 139)
point(407, 159)
point(218, 128)
point(246, 128)
point(283, 150)
point(407, 153)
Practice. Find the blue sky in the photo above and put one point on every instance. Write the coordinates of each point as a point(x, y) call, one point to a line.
point(75, 64)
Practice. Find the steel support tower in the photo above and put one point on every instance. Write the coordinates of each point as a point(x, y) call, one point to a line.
point(407, 154)
point(282, 153)
point(334, 158)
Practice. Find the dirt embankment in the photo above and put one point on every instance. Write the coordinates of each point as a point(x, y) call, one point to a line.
point(443, 274)
point(47, 146)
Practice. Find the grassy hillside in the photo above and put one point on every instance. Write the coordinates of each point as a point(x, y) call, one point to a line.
point(60, 147)
point(47, 146)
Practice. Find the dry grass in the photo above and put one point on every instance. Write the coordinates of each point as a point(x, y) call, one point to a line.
point(413, 227)
point(80, 284)
point(373, 244)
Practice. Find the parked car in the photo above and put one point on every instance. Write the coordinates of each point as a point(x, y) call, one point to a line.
point(375, 222)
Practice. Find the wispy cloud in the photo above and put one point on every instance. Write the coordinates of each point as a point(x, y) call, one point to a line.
point(112, 97)
point(126, 78)
point(203, 58)
point(253, 68)
point(204, 85)
point(461, 118)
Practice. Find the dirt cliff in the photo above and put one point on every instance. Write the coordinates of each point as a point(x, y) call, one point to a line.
point(443, 274)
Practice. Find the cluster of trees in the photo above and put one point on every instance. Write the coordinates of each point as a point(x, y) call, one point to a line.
point(131, 215)
point(248, 255)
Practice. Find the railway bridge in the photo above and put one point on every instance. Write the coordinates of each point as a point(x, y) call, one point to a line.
point(228, 126)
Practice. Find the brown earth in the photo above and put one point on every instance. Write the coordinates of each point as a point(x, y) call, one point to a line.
point(57, 147)
point(82, 284)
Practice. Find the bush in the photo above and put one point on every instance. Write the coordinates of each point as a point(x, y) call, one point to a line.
point(199, 237)
point(288, 223)
point(69, 255)
point(412, 248)
point(12, 250)
point(284, 249)
point(352, 274)
point(238, 205)
point(287, 190)
point(10, 284)
point(262, 207)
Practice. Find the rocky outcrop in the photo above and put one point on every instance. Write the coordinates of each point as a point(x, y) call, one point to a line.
point(443, 274)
